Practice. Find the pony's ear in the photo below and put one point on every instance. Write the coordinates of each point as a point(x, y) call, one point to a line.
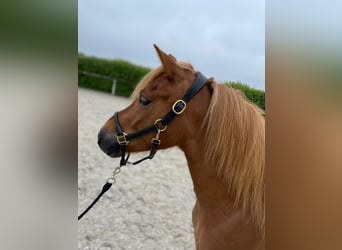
point(169, 62)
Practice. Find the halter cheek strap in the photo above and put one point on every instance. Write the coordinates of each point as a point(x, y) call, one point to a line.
point(160, 125)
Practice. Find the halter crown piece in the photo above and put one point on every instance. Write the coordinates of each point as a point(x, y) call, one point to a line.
point(159, 126)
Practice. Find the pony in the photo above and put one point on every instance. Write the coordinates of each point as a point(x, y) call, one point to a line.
point(223, 137)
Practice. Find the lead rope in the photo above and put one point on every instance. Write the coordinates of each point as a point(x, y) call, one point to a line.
point(155, 142)
point(106, 186)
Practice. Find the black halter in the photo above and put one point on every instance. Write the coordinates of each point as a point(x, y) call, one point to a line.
point(160, 125)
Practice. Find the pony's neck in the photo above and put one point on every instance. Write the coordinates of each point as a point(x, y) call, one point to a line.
point(209, 190)
point(214, 214)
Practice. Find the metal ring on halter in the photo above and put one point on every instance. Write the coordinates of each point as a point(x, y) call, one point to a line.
point(160, 129)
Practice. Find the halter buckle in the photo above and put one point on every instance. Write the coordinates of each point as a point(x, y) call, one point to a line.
point(176, 106)
point(121, 139)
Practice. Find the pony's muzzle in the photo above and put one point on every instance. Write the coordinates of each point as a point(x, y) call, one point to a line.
point(108, 143)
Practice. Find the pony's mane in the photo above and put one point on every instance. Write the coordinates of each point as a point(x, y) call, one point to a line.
point(235, 140)
point(153, 74)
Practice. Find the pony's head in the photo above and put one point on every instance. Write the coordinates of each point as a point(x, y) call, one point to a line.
point(152, 99)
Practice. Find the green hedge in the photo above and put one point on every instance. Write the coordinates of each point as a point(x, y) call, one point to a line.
point(126, 73)
point(255, 95)
point(129, 75)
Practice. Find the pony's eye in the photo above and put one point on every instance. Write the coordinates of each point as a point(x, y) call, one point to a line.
point(144, 101)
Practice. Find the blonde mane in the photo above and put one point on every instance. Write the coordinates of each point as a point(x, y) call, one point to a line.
point(235, 142)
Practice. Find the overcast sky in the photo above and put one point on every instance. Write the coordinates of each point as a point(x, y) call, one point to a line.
point(224, 39)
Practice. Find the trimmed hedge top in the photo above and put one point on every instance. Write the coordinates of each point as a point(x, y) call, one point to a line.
point(254, 95)
point(128, 75)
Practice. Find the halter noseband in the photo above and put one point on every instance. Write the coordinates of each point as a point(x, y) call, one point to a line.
point(160, 125)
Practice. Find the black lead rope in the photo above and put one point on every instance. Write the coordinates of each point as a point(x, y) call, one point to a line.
point(105, 188)
point(159, 126)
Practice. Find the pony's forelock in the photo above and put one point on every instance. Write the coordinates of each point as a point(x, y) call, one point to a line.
point(153, 74)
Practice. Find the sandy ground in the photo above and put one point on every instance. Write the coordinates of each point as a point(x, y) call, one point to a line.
point(150, 205)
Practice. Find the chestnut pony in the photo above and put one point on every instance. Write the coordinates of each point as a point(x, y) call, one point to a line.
point(223, 138)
